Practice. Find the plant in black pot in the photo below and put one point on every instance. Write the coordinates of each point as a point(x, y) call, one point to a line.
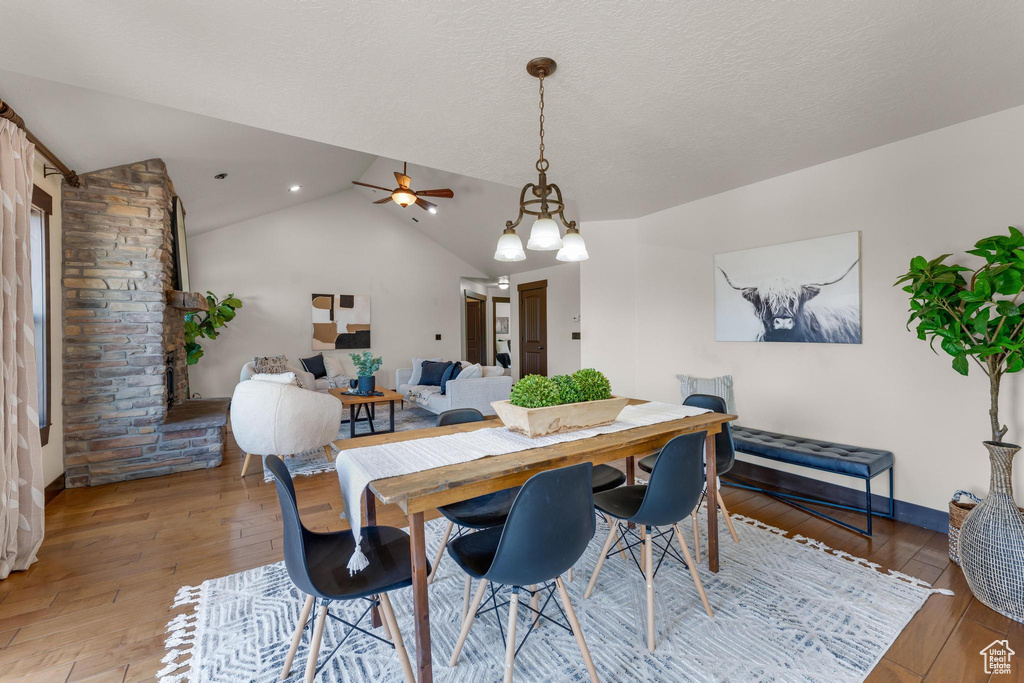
point(976, 316)
point(366, 364)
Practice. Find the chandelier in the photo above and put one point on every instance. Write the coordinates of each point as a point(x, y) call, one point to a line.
point(545, 201)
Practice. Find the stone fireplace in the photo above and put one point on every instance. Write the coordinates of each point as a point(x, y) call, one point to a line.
point(127, 411)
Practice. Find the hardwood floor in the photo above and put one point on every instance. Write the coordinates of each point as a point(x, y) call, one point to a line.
point(95, 606)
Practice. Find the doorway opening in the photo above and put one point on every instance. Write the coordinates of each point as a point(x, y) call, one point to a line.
point(476, 328)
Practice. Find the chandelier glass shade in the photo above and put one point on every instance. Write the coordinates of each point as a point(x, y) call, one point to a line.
point(510, 247)
point(543, 200)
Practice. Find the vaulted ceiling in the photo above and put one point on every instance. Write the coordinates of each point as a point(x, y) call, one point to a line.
point(653, 104)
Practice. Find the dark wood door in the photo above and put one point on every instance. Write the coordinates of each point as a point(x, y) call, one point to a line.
point(533, 328)
point(476, 331)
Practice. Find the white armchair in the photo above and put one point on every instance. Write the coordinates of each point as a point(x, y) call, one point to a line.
point(268, 418)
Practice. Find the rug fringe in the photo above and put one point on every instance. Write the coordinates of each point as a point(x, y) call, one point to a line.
point(182, 630)
point(853, 559)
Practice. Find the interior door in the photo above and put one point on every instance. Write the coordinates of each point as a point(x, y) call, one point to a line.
point(476, 331)
point(533, 328)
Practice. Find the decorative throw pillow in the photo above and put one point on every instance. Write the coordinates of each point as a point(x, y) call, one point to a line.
point(314, 366)
point(270, 365)
point(334, 367)
point(470, 371)
point(492, 371)
point(451, 373)
point(277, 378)
point(715, 386)
point(417, 369)
point(433, 372)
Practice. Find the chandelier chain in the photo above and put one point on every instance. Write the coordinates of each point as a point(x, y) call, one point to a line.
point(542, 163)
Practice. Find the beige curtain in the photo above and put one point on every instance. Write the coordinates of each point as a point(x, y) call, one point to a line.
point(21, 487)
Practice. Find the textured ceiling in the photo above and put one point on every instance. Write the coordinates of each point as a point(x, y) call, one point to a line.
point(90, 130)
point(654, 103)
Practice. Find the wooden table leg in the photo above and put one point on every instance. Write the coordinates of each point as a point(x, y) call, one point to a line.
point(630, 478)
point(370, 515)
point(712, 473)
point(421, 607)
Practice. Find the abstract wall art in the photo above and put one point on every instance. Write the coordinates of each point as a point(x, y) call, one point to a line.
point(341, 321)
point(806, 291)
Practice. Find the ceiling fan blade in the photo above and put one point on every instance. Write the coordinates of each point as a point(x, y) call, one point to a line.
point(426, 206)
point(376, 187)
point(445, 192)
point(403, 180)
point(384, 201)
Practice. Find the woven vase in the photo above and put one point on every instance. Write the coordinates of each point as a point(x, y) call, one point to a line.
point(992, 540)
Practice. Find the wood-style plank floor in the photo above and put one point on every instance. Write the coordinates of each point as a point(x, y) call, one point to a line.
point(94, 607)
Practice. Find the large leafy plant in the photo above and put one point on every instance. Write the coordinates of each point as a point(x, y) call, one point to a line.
point(206, 323)
point(534, 391)
point(975, 315)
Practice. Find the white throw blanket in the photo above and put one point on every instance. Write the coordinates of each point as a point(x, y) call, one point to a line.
point(359, 466)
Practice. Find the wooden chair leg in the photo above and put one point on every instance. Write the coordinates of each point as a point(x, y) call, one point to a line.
point(440, 552)
point(383, 622)
point(728, 519)
point(396, 638)
point(618, 543)
point(613, 526)
point(329, 453)
point(467, 623)
point(314, 643)
point(510, 636)
point(245, 463)
point(696, 535)
point(297, 638)
point(568, 575)
point(693, 572)
point(467, 590)
point(649, 577)
point(576, 630)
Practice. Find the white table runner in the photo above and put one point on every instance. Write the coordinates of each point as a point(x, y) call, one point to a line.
point(359, 466)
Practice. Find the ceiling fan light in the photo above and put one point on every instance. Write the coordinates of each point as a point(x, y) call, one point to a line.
point(510, 247)
point(403, 197)
point(544, 236)
point(573, 247)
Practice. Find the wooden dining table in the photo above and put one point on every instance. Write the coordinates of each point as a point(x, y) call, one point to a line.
point(419, 492)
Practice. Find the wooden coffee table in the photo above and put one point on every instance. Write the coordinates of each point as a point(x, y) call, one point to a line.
point(359, 404)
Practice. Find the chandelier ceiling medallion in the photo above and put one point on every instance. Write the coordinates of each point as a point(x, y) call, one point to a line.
point(545, 201)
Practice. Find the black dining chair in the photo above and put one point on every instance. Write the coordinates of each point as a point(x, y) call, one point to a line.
point(548, 529)
point(316, 563)
point(668, 498)
point(725, 458)
point(490, 510)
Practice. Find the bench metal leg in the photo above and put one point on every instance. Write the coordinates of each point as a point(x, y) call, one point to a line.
point(790, 498)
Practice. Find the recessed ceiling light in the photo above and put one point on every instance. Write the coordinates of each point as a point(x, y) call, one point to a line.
point(221, 176)
point(432, 209)
point(295, 188)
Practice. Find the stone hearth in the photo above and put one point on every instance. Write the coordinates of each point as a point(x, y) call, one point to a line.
point(122, 329)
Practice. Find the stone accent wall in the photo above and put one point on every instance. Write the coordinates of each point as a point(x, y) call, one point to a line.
point(118, 329)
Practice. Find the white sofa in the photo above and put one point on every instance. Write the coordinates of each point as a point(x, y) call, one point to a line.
point(306, 379)
point(476, 392)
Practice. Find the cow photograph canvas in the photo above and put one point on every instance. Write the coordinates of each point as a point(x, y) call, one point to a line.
point(807, 291)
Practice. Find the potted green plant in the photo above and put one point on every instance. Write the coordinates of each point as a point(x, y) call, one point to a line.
point(541, 405)
point(207, 323)
point(976, 316)
point(366, 364)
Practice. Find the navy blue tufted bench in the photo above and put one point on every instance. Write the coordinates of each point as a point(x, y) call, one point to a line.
point(851, 461)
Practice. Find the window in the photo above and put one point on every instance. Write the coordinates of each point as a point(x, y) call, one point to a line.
point(42, 207)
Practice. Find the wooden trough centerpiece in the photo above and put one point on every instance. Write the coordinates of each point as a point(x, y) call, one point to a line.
point(568, 417)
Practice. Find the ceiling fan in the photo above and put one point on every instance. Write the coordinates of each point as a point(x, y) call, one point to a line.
point(403, 195)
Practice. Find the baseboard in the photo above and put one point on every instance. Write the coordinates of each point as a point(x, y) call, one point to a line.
point(53, 489)
point(911, 513)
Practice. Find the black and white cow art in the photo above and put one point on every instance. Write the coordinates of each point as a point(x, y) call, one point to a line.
point(789, 311)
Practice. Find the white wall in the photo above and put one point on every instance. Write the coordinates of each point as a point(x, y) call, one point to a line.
point(340, 244)
point(648, 302)
point(53, 451)
point(563, 305)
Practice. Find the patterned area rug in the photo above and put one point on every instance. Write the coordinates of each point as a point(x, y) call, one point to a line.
point(315, 461)
point(786, 609)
